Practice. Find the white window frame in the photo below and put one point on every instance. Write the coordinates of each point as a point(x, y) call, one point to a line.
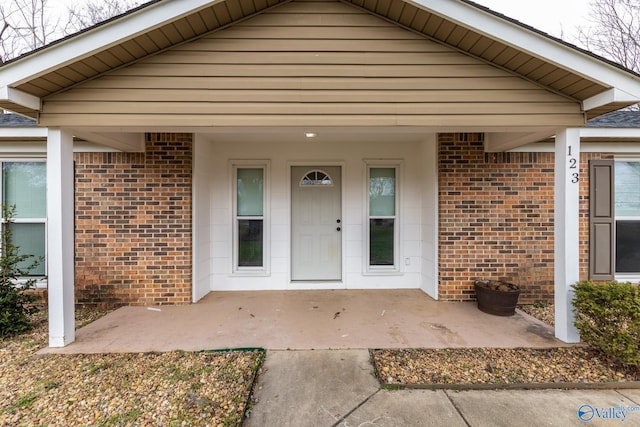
point(41, 281)
point(396, 268)
point(623, 277)
point(265, 269)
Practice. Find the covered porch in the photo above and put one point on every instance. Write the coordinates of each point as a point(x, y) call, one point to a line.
point(305, 319)
point(242, 86)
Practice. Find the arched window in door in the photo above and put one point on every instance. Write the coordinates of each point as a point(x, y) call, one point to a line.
point(316, 177)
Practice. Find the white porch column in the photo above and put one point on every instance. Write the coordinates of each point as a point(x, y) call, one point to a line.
point(567, 246)
point(60, 238)
point(429, 247)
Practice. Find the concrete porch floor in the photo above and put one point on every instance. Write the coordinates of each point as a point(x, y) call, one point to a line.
point(296, 320)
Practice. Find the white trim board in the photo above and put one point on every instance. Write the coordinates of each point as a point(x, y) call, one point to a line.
point(23, 132)
point(611, 140)
point(586, 147)
point(39, 148)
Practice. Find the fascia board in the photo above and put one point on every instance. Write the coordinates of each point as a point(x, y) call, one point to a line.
point(618, 147)
point(610, 96)
point(37, 148)
point(85, 44)
point(610, 133)
point(20, 98)
point(22, 132)
point(535, 44)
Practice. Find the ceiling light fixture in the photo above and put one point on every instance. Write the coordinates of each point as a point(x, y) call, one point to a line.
point(310, 134)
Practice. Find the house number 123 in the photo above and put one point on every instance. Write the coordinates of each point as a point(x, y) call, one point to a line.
point(573, 164)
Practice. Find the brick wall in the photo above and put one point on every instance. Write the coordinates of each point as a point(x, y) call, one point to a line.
point(133, 221)
point(133, 224)
point(496, 218)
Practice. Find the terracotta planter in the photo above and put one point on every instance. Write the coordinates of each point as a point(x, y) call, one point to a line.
point(495, 301)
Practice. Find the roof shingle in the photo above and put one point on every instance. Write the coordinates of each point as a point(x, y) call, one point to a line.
point(616, 119)
point(16, 120)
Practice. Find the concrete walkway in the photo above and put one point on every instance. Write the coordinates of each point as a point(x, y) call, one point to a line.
point(279, 320)
point(338, 388)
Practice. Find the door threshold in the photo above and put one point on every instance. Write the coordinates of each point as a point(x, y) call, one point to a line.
point(316, 284)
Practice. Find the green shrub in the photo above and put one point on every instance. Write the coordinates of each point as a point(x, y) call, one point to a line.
point(16, 305)
point(608, 318)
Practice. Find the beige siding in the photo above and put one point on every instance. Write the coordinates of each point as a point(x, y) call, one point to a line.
point(313, 63)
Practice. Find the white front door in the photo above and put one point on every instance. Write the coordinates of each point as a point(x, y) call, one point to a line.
point(316, 223)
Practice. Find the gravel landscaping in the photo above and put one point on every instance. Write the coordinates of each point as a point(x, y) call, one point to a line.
point(160, 389)
point(573, 365)
point(544, 312)
point(556, 366)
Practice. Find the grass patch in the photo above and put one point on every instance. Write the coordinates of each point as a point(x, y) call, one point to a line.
point(94, 367)
point(24, 401)
point(121, 419)
point(390, 387)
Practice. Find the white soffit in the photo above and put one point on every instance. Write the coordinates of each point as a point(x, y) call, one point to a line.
point(128, 142)
point(497, 142)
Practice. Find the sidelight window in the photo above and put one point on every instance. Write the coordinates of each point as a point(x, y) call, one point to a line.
point(249, 217)
point(382, 212)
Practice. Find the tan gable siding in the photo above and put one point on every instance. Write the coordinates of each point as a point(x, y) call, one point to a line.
point(310, 63)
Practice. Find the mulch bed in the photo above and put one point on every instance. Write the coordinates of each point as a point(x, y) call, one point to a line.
point(173, 388)
point(556, 367)
point(565, 367)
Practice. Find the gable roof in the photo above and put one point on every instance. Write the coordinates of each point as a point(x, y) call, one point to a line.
point(617, 119)
point(619, 127)
point(15, 120)
point(600, 85)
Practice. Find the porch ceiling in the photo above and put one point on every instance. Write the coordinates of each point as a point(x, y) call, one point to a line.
point(496, 139)
point(425, 19)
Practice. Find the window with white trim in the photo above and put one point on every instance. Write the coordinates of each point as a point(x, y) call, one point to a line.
point(249, 217)
point(24, 186)
point(382, 218)
point(627, 217)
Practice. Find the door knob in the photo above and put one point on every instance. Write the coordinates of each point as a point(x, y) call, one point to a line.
point(338, 229)
point(338, 221)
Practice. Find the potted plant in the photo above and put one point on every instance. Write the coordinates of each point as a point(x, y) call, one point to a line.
point(497, 297)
